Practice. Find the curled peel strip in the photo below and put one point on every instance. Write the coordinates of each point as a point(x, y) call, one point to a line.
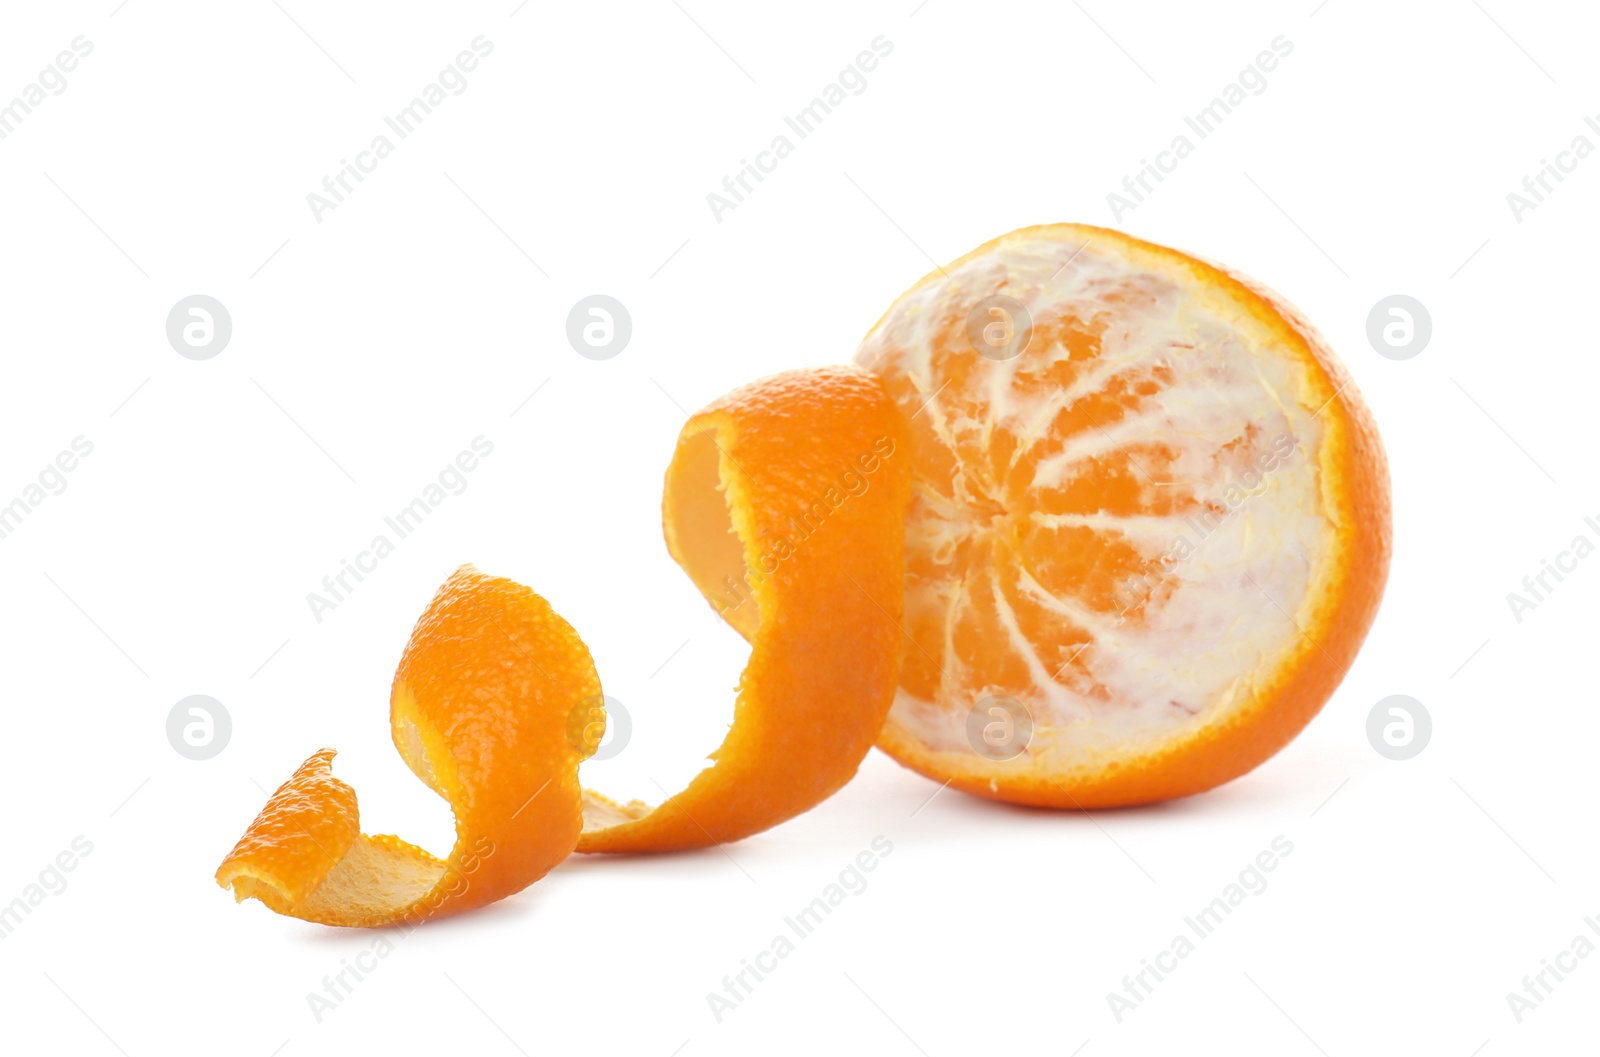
point(479, 712)
point(785, 504)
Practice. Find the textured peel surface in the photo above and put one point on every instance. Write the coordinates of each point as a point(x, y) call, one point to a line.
point(785, 503)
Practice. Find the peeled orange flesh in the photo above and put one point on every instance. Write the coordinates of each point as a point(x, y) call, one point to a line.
point(1149, 527)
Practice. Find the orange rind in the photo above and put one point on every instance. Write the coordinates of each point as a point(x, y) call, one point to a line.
point(479, 711)
point(784, 502)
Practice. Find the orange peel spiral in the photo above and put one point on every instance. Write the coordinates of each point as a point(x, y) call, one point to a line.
point(785, 503)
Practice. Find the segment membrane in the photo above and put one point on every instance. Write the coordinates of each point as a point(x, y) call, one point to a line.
point(1112, 527)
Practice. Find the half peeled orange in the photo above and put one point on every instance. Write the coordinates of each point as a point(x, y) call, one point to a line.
point(1149, 526)
point(1092, 523)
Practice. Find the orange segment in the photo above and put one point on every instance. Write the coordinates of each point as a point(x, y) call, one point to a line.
point(785, 504)
point(479, 710)
point(1150, 523)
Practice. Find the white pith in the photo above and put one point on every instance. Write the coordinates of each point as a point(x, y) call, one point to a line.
point(1236, 603)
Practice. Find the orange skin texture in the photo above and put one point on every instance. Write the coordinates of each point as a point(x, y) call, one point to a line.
point(494, 704)
point(825, 651)
point(487, 683)
point(1355, 494)
point(306, 828)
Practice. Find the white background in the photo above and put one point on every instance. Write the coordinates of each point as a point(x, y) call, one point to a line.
point(369, 348)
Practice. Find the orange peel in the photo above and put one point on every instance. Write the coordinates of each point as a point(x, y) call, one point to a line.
point(479, 711)
point(803, 559)
point(784, 503)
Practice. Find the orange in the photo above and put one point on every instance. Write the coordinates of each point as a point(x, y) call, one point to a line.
point(785, 503)
point(1098, 524)
point(1150, 522)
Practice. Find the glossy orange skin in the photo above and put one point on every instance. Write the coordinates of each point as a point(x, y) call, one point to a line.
point(825, 651)
point(487, 683)
point(487, 691)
